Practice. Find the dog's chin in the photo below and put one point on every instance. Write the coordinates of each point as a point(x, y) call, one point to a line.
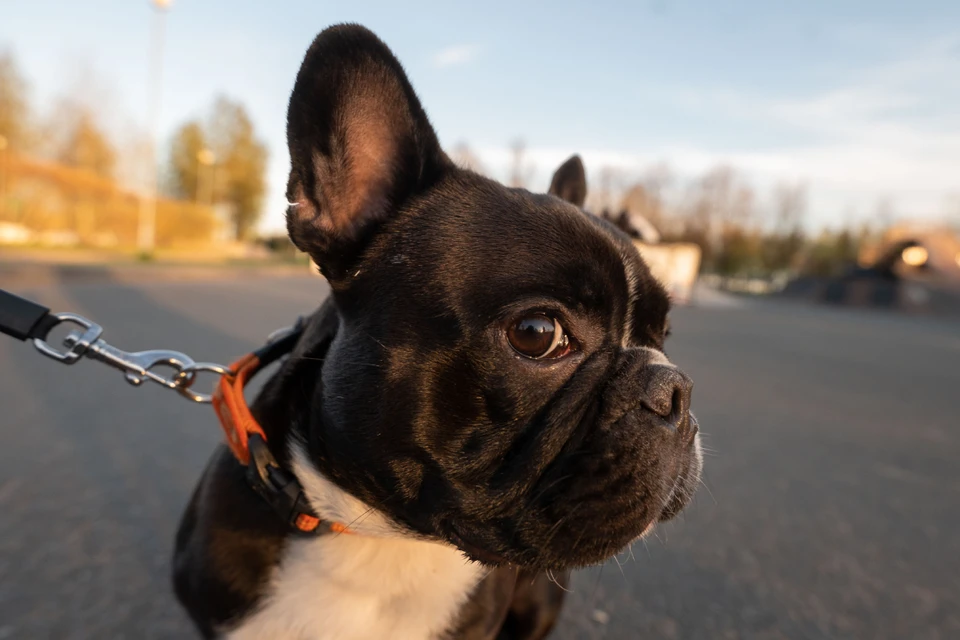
point(547, 557)
point(590, 547)
point(478, 553)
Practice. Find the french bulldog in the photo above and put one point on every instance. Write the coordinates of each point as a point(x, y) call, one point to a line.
point(483, 399)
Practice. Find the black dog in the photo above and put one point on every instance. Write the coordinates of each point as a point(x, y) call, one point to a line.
point(484, 398)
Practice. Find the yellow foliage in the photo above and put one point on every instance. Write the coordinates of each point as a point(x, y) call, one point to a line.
point(47, 197)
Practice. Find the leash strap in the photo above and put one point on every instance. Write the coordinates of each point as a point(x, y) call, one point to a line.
point(23, 319)
point(26, 320)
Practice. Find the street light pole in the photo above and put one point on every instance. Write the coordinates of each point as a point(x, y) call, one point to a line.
point(146, 227)
point(3, 176)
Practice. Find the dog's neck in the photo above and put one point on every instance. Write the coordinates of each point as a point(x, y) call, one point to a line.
point(281, 420)
point(379, 582)
point(336, 505)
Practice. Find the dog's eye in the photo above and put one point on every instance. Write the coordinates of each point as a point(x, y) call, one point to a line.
point(538, 336)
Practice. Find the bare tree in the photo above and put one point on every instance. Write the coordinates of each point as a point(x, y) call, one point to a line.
point(719, 209)
point(81, 129)
point(520, 171)
point(781, 248)
point(14, 106)
point(464, 156)
point(658, 177)
point(729, 200)
point(646, 197)
point(790, 205)
point(602, 199)
point(639, 200)
point(716, 201)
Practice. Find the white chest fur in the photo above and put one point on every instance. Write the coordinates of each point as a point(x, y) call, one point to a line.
point(375, 584)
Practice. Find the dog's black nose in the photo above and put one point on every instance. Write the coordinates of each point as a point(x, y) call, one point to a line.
point(667, 393)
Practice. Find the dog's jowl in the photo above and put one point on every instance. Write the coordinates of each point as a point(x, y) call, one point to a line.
point(483, 401)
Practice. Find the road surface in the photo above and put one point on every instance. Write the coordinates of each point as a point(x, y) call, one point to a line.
point(834, 473)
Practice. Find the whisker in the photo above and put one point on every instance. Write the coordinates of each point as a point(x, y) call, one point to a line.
point(354, 521)
point(382, 346)
point(315, 359)
point(548, 487)
point(700, 480)
point(620, 566)
point(552, 578)
point(593, 598)
point(556, 528)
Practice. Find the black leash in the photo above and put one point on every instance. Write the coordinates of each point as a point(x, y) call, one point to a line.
point(24, 320)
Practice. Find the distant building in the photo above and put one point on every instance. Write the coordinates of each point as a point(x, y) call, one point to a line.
point(914, 267)
point(921, 252)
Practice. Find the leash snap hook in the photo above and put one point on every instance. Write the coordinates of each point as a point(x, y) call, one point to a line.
point(137, 366)
point(77, 343)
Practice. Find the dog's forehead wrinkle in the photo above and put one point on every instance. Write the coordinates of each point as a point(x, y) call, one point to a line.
point(521, 247)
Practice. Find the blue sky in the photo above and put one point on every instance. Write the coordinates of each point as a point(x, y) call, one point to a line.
point(858, 99)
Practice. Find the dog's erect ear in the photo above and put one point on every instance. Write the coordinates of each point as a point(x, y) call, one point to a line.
point(570, 182)
point(360, 146)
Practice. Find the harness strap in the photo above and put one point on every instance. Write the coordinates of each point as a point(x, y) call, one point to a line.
point(232, 410)
point(248, 441)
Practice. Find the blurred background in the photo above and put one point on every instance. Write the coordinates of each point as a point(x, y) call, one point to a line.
point(792, 173)
point(789, 143)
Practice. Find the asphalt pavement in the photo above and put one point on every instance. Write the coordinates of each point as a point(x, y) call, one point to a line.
point(831, 506)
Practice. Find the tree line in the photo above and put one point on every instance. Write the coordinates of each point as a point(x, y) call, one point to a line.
point(739, 232)
point(218, 160)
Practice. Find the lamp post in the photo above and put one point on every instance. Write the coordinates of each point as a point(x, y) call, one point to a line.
point(146, 226)
point(205, 168)
point(3, 175)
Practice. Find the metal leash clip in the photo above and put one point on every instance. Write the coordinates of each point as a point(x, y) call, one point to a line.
point(136, 366)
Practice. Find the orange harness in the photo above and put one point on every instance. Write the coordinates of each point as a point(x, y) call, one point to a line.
point(232, 410)
point(247, 440)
